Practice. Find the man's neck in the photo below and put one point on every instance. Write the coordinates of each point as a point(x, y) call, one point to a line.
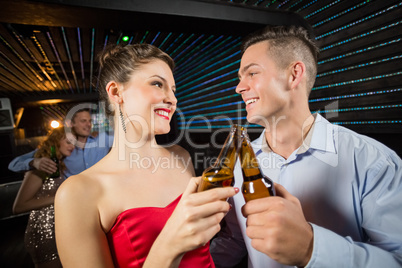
point(287, 136)
point(81, 141)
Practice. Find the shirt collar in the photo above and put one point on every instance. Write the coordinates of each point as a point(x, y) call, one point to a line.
point(319, 137)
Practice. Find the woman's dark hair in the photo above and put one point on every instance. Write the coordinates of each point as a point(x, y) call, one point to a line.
point(118, 62)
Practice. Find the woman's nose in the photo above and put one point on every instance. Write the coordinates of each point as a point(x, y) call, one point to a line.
point(171, 98)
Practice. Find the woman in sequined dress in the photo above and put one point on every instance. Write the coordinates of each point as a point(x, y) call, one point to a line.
point(36, 195)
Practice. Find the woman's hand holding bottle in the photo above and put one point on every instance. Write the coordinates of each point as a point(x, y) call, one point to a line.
point(194, 222)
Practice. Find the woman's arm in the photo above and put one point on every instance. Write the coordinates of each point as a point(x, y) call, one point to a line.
point(26, 199)
point(80, 239)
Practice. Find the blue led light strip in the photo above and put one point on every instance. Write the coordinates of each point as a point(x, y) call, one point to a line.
point(156, 37)
point(174, 42)
point(368, 122)
point(190, 46)
point(208, 95)
point(359, 21)
point(357, 95)
point(267, 5)
point(339, 14)
point(295, 4)
point(100, 69)
point(306, 6)
point(213, 53)
point(164, 40)
point(145, 36)
point(358, 80)
point(257, 3)
point(321, 9)
point(210, 101)
point(189, 77)
point(360, 36)
point(198, 63)
point(213, 79)
point(91, 68)
point(359, 66)
point(283, 3)
point(360, 51)
point(56, 53)
point(70, 58)
point(211, 73)
point(206, 89)
point(217, 113)
point(182, 44)
point(81, 59)
point(181, 65)
point(360, 109)
point(214, 107)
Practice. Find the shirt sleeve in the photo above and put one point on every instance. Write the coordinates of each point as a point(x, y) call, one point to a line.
point(228, 247)
point(381, 224)
point(21, 163)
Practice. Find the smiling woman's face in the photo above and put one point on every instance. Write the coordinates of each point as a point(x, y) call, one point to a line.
point(149, 96)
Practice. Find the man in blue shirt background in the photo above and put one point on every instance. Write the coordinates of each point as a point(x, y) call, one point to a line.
point(88, 149)
point(339, 194)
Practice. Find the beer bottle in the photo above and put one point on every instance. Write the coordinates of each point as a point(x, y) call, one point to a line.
point(54, 158)
point(221, 173)
point(255, 183)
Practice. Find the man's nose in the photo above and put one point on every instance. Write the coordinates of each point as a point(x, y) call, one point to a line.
point(241, 86)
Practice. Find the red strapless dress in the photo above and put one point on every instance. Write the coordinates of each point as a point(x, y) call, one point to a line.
point(134, 232)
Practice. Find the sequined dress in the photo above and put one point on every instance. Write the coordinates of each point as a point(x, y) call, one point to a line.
point(39, 234)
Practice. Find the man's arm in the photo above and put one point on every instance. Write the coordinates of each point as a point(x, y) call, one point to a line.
point(381, 222)
point(22, 163)
point(27, 162)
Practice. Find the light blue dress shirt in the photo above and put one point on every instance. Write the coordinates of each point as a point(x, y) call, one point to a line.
point(350, 189)
point(80, 159)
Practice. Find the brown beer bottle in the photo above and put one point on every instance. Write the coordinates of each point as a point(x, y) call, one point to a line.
point(221, 173)
point(255, 184)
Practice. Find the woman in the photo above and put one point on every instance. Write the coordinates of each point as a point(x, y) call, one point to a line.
point(36, 194)
point(138, 206)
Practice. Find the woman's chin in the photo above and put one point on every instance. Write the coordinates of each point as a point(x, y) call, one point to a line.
point(162, 131)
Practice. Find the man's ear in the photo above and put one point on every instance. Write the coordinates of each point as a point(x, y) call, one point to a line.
point(297, 73)
point(113, 91)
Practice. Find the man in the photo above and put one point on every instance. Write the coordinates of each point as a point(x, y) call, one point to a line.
point(339, 194)
point(88, 149)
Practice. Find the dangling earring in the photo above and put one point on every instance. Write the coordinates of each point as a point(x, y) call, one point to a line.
point(122, 119)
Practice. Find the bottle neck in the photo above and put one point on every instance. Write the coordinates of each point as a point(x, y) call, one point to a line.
point(228, 155)
point(53, 152)
point(249, 162)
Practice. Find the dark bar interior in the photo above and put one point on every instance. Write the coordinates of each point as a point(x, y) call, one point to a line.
point(48, 66)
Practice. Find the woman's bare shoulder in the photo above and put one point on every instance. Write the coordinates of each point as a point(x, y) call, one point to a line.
point(77, 188)
point(178, 150)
